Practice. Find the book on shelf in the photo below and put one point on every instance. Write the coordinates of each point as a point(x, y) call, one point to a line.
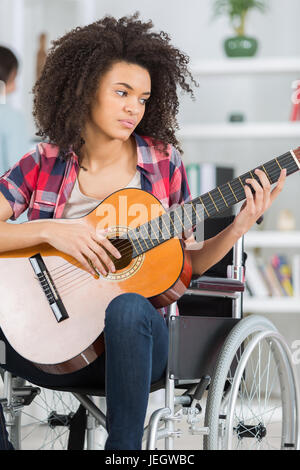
point(296, 275)
point(276, 278)
point(272, 279)
point(255, 281)
point(203, 177)
point(284, 273)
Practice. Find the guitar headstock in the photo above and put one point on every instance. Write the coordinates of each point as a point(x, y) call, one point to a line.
point(297, 153)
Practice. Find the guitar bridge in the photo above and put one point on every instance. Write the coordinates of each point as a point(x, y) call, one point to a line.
point(48, 287)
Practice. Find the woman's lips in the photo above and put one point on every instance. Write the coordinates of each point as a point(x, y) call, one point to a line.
point(128, 124)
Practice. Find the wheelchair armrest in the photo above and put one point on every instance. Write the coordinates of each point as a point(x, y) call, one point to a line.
point(221, 284)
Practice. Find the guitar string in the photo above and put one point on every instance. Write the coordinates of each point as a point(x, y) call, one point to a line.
point(126, 251)
point(82, 280)
point(88, 274)
point(120, 243)
point(76, 269)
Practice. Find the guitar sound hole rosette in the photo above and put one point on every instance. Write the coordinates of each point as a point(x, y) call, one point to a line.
point(126, 266)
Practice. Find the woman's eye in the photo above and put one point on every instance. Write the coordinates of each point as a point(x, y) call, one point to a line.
point(125, 93)
point(121, 91)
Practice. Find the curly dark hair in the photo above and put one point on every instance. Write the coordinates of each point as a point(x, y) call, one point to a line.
point(75, 63)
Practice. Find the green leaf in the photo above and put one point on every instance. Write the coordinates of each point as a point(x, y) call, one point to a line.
point(236, 8)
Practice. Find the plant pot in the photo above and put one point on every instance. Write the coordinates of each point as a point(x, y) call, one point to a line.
point(240, 46)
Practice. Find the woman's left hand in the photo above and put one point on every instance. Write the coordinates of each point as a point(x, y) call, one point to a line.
point(256, 204)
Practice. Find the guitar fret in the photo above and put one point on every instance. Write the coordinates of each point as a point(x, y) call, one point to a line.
point(174, 230)
point(273, 170)
point(266, 173)
point(288, 162)
point(222, 196)
point(140, 242)
point(278, 163)
point(173, 221)
point(170, 219)
point(204, 206)
point(179, 218)
point(219, 199)
point(238, 188)
point(169, 233)
point(186, 213)
point(243, 186)
point(213, 202)
point(157, 223)
point(232, 192)
point(209, 204)
point(227, 194)
point(143, 239)
point(195, 211)
point(147, 235)
point(152, 232)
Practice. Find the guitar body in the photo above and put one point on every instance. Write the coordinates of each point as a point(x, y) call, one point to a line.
point(64, 345)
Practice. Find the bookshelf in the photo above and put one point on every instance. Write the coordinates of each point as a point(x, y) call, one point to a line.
point(253, 130)
point(266, 65)
point(262, 305)
point(271, 239)
point(256, 131)
point(239, 67)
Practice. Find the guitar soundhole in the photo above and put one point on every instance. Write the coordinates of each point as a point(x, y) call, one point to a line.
point(124, 246)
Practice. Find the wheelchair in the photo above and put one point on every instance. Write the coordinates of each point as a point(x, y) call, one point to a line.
point(230, 380)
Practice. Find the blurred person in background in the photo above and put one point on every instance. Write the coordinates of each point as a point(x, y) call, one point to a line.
point(14, 139)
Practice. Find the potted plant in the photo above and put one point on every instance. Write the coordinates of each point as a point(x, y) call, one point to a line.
point(237, 10)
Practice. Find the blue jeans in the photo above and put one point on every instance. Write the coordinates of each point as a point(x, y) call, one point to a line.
point(4, 442)
point(136, 343)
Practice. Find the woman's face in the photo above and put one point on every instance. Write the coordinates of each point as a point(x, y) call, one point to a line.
point(120, 100)
point(11, 82)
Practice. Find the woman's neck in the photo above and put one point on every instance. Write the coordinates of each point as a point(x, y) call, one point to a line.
point(102, 152)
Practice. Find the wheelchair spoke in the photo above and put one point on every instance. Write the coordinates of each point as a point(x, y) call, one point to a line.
point(255, 409)
point(46, 420)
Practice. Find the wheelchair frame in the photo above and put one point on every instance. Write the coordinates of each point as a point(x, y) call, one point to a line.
point(162, 421)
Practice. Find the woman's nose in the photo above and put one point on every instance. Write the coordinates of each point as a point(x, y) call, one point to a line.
point(132, 107)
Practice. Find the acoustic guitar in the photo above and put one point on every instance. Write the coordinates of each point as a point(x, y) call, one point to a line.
point(52, 309)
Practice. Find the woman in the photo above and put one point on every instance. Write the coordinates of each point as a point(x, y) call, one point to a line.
point(14, 140)
point(107, 101)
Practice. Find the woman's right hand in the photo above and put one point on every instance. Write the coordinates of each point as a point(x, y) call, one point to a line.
point(81, 241)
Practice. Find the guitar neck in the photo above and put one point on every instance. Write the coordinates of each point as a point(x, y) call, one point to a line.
point(174, 222)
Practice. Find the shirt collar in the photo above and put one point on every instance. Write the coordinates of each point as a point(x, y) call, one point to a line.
point(144, 155)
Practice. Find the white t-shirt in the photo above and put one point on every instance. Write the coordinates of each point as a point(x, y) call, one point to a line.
point(79, 205)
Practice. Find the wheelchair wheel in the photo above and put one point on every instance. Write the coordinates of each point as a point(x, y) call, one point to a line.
point(253, 400)
point(44, 423)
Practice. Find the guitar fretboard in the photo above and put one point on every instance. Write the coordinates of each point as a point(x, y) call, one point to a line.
point(174, 222)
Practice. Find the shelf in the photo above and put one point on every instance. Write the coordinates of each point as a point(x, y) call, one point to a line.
point(271, 305)
point(246, 66)
point(269, 239)
point(263, 130)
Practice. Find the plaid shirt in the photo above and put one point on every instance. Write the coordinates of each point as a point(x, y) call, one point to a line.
point(42, 181)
